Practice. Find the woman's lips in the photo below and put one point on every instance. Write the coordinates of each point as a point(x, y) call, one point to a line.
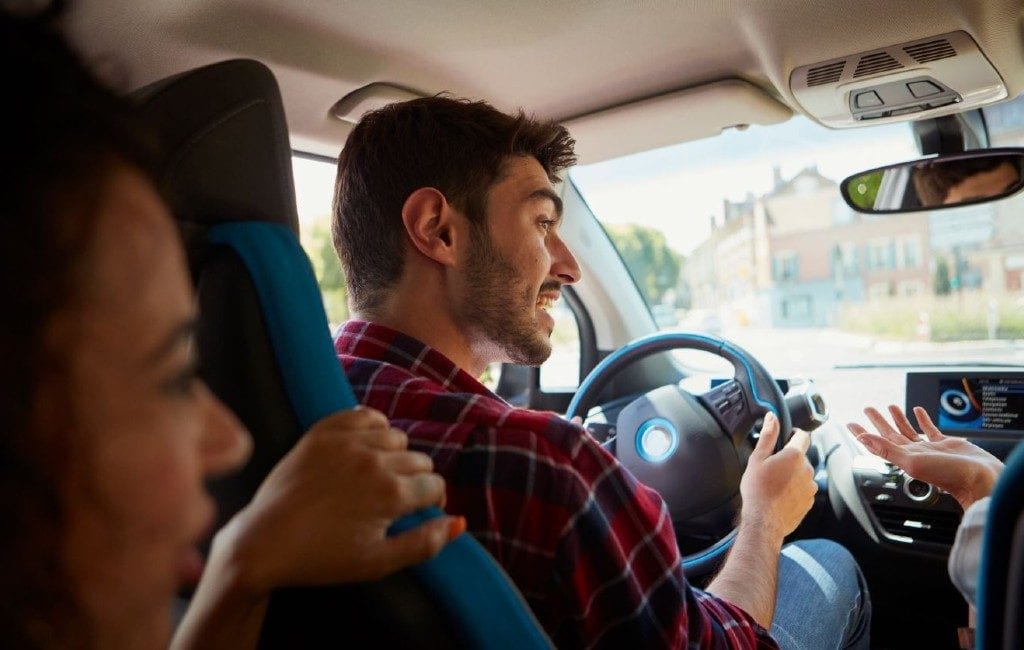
point(190, 567)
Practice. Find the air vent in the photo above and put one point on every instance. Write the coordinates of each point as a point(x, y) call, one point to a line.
point(825, 74)
point(933, 526)
point(930, 50)
point(875, 62)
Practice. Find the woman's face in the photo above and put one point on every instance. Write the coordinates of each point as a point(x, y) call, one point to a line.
point(145, 430)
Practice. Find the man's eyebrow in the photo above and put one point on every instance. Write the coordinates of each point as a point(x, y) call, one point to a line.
point(547, 194)
point(182, 333)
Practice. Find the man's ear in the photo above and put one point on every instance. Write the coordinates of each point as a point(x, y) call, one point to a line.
point(431, 225)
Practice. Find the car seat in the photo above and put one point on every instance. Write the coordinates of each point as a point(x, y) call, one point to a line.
point(266, 351)
point(1001, 575)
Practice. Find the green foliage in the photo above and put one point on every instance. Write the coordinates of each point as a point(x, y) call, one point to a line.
point(654, 266)
point(316, 239)
point(961, 316)
point(864, 190)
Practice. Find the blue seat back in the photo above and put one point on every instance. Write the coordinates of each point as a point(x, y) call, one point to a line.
point(473, 589)
point(266, 352)
point(1001, 576)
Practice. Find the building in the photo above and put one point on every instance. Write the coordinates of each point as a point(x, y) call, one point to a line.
point(764, 261)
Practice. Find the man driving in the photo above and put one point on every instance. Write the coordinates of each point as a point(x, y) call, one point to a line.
point(446, 219)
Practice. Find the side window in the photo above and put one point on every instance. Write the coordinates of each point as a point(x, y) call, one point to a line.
point(561, 372)
point(314, 190)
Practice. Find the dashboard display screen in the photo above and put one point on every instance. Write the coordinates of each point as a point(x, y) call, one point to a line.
point(976, 403)
point(971, 402)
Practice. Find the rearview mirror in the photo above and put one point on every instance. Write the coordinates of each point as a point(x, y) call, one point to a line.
point(942, 181)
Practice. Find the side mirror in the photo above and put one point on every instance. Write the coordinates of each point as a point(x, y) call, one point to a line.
point(943, 181)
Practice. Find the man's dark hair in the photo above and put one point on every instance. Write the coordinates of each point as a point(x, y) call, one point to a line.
point(933, 180)
point(453, 145)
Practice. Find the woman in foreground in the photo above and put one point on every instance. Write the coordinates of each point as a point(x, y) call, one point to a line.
point(107, 431)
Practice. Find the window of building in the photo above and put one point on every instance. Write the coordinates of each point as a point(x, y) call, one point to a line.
point(786, 267)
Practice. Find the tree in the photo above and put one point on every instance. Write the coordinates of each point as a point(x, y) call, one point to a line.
point(864, 190)
point(942, 284)
point(327, 267)
point(654, 266)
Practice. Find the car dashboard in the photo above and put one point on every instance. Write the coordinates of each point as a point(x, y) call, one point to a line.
point(865, 499)
point(895, 509)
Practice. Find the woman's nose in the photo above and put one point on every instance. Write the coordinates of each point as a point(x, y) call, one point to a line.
point(226, 444)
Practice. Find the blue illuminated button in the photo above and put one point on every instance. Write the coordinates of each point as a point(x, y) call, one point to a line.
point(656, 440)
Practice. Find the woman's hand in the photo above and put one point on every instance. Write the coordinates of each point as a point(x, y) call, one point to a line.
point(955, 465)
point(320, 517)
point(322, 514)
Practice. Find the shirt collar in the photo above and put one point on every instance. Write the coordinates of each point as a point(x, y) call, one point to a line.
point(369, 340)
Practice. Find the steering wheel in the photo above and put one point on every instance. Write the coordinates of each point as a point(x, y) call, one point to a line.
point(692, 449)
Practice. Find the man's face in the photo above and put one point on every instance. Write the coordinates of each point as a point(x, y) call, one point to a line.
point(516, 267)
point(983, 185)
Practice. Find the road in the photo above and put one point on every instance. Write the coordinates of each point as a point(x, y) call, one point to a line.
point(854, 371)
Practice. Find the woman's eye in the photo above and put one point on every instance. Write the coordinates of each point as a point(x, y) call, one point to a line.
point(184, 383)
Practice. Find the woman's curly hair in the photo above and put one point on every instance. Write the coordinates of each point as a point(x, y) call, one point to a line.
point(62, 134)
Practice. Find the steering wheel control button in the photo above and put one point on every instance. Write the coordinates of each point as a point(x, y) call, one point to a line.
point(883, 498)
point(919, 491)
point(656, 440)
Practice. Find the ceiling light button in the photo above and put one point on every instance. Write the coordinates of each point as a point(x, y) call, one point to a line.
point(868, 99)
point(923, 88)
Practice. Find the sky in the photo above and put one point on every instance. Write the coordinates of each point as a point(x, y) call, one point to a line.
point(677, 188)
point(314, 188)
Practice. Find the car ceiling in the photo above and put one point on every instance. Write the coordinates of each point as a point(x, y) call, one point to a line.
point(558, 60)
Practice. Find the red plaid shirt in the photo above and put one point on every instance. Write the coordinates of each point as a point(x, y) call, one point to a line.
point(591, 549)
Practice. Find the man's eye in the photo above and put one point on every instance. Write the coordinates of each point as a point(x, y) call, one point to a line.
point(547, 224)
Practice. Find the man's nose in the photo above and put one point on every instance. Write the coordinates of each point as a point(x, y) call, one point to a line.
point(563, 263)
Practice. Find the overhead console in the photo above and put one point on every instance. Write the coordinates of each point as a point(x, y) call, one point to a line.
point(929, 77)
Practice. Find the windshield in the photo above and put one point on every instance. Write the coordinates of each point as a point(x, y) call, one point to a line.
point(745, 236)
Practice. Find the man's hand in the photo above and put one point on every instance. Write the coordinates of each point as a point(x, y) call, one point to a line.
point(955, 465)
point(777, 489)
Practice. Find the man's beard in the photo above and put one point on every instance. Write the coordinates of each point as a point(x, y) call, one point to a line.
point(500, 304)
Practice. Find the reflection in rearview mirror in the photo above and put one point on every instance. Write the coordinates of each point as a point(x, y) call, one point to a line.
point(939, 182)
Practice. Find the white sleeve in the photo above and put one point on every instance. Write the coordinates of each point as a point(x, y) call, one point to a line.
point(965, 558)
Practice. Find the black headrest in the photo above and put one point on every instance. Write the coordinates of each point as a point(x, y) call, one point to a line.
point(224, 144)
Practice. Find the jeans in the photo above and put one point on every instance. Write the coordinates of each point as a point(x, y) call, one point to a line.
point(823, 601)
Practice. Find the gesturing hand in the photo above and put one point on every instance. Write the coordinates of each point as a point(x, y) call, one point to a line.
point(959, 467)
point(778, 489)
